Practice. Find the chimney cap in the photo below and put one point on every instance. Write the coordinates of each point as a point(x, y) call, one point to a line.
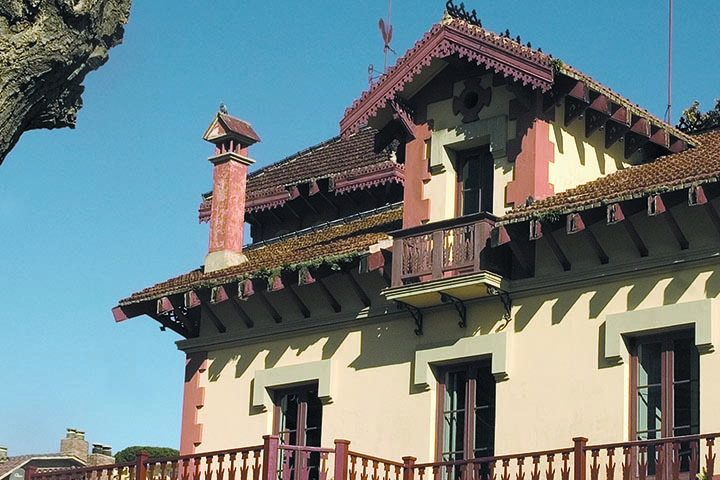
point(226, 127)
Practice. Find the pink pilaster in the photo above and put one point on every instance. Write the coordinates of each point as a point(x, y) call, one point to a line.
point(532, 166)
point(193, 400)
point(416, 207)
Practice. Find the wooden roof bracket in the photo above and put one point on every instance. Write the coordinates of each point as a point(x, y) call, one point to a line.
point(416, 314)
point(555, 247)
point(574, 224)
point(298, 302)
point(268, 306)
point(459, 306)
point(337, 308)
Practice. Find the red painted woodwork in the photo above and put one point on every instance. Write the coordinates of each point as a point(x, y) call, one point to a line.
point(272, 461)
point(498, 54)
point(442, 249)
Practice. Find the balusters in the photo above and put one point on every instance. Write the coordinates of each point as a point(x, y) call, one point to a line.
point(186, 469)
point(535, 475)
point(710, 459)
point(550, 472)
point(232, 470)
point(610, 467)
point(520, 475)
point(257, 468)
point(675, 460)
point(594, 467)
point(660, 461)
point(506, 464)
point(352, 475)
point(565, 470)
point(642, 464)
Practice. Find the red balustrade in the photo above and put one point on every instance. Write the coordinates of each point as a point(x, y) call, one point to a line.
point(679, 458)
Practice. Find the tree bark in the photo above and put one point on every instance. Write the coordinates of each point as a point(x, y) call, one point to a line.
point(46, 49)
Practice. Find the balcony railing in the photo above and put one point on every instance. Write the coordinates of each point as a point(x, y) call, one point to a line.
point(679, 458)
point(441, 249)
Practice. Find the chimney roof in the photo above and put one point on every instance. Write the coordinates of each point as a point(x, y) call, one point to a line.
point(225, 126)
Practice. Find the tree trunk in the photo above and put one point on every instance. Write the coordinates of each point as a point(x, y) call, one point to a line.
point(46, 49)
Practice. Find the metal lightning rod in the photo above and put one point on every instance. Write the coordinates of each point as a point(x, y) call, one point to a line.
point(668, 112)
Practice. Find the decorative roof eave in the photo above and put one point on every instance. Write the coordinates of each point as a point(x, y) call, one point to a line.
point(453, 36)
point(625, 103)
point(582, 205)
point(371, 176)
point(330, 242)
point(359, 178)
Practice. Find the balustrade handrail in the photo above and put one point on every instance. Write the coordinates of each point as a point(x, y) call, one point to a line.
point(392, 463)
point(193, 456)
point(654, 441)
point(496, 458)
point(306, 449)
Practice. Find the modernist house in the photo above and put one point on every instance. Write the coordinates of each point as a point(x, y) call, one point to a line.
point(496, 255)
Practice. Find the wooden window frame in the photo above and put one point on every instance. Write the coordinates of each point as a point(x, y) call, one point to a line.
point(487, 164)
point(471, 370)
point(667, 385)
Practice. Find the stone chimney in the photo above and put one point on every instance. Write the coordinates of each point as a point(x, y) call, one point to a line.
point(75, 444)
point(3, 454)
point(231, 137)
point(100, 455)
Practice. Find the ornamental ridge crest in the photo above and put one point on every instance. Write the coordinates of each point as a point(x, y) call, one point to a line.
point(462, 14)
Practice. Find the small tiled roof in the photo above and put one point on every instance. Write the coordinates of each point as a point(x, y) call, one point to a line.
point(321, 161)
point(13, 463)
point(673, 172)
point(350, 235)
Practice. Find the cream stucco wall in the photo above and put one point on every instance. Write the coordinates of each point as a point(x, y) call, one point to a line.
point(450, 135)
point(556, 381)
point(579, 159)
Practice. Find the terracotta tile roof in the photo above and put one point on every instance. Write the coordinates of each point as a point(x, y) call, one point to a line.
point(321, 161)
point(344, 237)
point(539, 70)
point(672, 172)
point(627, 104)
point(239, 126)
point(268, 187)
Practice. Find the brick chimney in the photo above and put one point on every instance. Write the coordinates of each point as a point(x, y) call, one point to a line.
point(75, 444)
point(231, 137)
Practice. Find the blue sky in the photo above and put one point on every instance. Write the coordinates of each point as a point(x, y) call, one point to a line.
point(93, 214)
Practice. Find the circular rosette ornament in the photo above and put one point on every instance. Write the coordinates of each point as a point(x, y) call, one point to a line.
point(471, 100)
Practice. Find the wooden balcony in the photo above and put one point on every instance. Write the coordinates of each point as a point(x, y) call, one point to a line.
point(678, 458)
point(452, 257)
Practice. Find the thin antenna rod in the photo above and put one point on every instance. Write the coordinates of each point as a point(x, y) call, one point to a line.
point(668, 113)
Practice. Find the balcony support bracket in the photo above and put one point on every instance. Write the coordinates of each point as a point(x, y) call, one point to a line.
point(504, 298)
point(416, 314)
point(459, 306)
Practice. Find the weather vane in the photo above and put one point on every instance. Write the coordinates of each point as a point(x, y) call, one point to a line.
point(386, 30)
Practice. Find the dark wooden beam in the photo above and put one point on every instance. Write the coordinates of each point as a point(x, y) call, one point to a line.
point(208, 312)
point(597, 248)
point(333, 301)
point(235, 302)
point(559, 254)
point(635, 237)
point(515, 237)
point(676, 231)
point(268, 306)
point(298, 301)
point(358, 289)
point(713, 214)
